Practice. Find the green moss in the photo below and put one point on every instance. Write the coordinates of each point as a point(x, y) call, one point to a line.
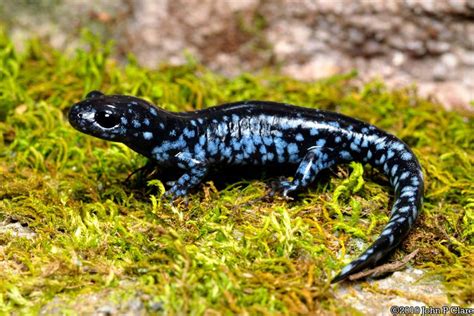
point(230, 250)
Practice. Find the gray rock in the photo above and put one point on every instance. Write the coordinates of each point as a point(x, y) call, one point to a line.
point(415, 40)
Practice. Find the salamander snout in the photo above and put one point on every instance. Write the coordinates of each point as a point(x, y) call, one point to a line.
point(105, 120)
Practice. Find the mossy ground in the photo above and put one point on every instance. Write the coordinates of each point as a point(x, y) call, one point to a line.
point(224, 250)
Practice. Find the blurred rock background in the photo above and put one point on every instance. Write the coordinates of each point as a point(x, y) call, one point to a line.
point(426, 42)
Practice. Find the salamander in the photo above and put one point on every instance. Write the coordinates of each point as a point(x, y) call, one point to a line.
point(262, 134)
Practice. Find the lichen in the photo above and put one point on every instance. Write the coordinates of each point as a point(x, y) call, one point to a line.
point(224, 250)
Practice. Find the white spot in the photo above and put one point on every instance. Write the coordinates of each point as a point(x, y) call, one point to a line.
point(404, 175)
point(147, 135)
point(404, 209)
point(394, 169)
point(346, 269)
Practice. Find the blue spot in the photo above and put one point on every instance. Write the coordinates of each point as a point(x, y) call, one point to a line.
point(136, 124)
point(382, 159)
point(153, 111)
point(188, 133)
point(280, 146)
point(403, 209)
point(337, 139)
point(354, 147)
point(357, 139)
point(147, 135)
point(277, 133)
point(212, 147)
point(397, 146)
point(123, 120)
point(179, 143)
point(320, 142)
point(227, 152)
point(345, 155)
point(198, 149)
point(390, 153)
point(365, 143)
point(284, 125)
point(173, 132)
point(249, 146)
point(292, 149)
point(146, 122)
point(404, 175)
point(395, 180)
point(299, 137)
point(263, 149)
point(257, 140)
point(202, 140)
point(314, 131)
point(380, 145)
point(406, 155)
point(408, 188)
point(267, 140)
point(394, 169)
point(407, 194)
point(235, 144)
point(294, 158)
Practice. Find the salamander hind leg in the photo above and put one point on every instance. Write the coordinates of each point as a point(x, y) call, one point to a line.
point(315, 160)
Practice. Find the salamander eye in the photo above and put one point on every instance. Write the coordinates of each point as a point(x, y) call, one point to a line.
point(107, 119)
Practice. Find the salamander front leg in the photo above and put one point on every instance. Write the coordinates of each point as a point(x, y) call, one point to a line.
point(195, 171)
point(315, 160)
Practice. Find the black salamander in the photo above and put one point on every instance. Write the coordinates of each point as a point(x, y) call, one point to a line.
point(260, 133)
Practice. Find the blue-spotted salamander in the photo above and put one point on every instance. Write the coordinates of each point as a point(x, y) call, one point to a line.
point(263, 134)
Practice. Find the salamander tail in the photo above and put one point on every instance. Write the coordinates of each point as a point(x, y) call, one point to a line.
point(406, 177)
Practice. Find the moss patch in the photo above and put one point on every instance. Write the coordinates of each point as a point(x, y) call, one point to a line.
point(226, 251)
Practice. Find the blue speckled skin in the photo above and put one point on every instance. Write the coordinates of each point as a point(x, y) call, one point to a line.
point(260, 133)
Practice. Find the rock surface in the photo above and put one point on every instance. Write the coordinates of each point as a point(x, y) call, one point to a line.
point(430, 43)
point(402, 288)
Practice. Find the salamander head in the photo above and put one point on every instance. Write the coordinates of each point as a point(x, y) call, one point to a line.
point(115, 117)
